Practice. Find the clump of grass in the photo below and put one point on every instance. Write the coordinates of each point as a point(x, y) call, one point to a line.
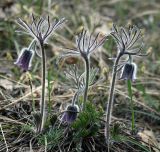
point(88, 122)
point(51, 139)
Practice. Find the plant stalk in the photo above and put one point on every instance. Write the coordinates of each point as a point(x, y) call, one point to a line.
point(74, 98)
point(132, 104)
point(43, 104)
point(87, 71)
point(111, 100)
point(49, 93)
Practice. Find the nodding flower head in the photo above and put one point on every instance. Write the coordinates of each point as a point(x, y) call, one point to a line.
point(129, 40)
point(85, 44)
point(25, 59)
point(70, 114)
point(129, 72)
point(40, 29)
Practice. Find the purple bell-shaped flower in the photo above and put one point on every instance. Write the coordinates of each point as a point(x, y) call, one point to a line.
point(70, 114)
point(129, 72)
point(25, 58)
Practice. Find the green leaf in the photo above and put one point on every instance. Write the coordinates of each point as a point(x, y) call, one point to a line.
point(129, 83)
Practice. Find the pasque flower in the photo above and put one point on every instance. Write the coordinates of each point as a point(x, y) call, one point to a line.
point(85, 45)
point(129, 42)
point(25, 58)
point(70, 114)
point(129, 72)
point(40, 29)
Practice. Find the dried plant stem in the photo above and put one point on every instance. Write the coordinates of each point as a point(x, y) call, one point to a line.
point(111, 101)
point(42, 105)
point(87, 71)
point(4, 138)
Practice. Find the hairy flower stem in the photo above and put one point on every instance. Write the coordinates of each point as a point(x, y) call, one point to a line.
point(87, 71)
point(111, 100)
point(74, 98)
point(42, 105)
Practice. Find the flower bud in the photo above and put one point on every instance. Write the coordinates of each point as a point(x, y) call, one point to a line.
point(129, 72)
point(25, 58)
point(70, 114)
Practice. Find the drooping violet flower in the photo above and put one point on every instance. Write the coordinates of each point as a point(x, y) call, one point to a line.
point(85, 45)
point(25, 59)
point(70, 114)
point(129, 72)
